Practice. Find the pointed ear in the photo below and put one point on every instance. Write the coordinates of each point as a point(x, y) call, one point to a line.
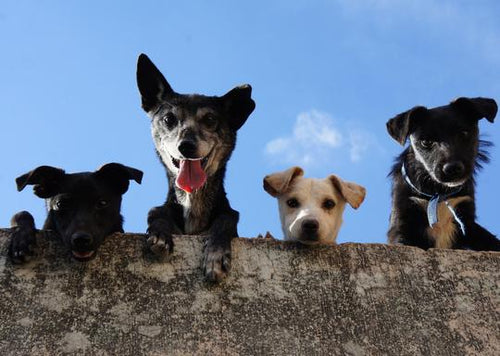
point(353, 193)
point(239, 105)
point(152, 84)
point(46, 180)
point(400, 126)
point(278, 183)
point(477, 107)
point(117, 176)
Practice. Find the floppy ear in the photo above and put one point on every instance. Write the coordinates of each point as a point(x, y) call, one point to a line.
point(399, 127)
point(277, 183)
point(478, 107)
point(152, 84)
point(353, 193)
point(46, 180)
point(239, 105)
point(117, 175)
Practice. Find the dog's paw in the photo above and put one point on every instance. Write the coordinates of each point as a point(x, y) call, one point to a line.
point(22, 244)
point(216, 262)
point(160, 244)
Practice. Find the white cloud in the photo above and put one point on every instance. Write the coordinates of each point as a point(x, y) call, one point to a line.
point(359, 142)
point(316, 139)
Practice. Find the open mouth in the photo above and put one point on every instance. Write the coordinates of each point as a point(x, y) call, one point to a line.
point(191, 175)
point(82, 256)
point(176, 162)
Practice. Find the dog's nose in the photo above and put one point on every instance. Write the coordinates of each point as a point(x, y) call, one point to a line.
point(81, 240)
point(454, 169)
point(310, 225)
point(188, 148)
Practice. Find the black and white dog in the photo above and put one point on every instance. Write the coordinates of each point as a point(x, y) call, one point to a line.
point(194, 136)
point(82, 208)
point(433, 179)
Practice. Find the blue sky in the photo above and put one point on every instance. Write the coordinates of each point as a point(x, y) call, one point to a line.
point(326, 76)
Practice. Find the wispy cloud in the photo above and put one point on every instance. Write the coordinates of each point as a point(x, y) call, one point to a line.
point(316, 139)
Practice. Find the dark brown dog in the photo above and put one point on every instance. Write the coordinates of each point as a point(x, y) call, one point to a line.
point(194, 136)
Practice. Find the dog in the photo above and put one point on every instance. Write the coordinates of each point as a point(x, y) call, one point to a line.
point(82, 208)
point(433, 202)
point(194, 136)
point(311, 209)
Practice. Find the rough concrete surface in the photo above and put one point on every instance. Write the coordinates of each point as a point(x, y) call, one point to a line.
point(280, 299)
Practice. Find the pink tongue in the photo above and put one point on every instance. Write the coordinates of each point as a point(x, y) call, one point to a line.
point(191, 176)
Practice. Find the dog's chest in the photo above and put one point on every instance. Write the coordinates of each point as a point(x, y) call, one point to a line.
point(444, 231)
point(195, 216)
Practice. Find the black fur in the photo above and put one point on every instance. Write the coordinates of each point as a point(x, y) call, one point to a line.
point(83, 208)
point(444, 154)
point(187, 127)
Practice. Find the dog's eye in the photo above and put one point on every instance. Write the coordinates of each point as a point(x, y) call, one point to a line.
point(328, 204)
point(209, 121)
point(102, 204)
point(426, 143)
point(465, 134)
point(293, 203)
point(170, 120)
point(61, 204)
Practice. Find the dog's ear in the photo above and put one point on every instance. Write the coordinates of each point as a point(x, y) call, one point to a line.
point(239, 105)
point(117, 176)
point(277, 183)
point(353, 193)
point(400, 126)
point(46, 180)
point(151, 83)
point(477, 107)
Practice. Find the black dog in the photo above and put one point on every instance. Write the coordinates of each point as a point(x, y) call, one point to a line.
point(433, 179)
point(83, 208)
point(194, 136)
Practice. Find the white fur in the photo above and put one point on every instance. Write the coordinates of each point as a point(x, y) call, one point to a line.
point(429, 169)
point(311, 194)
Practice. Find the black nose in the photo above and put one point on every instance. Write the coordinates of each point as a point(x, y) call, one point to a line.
point(454, 169)
point(188, 149)
point(81, 241)
point(310, 225)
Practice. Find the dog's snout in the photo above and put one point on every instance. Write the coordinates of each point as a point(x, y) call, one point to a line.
point(310, 225)
point(188, 148)
point(454, 169)
point(81, 240)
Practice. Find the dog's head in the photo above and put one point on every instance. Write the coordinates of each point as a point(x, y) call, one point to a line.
point(83, 208)
point(193, 134)
point(311, 209)
point(445, 140)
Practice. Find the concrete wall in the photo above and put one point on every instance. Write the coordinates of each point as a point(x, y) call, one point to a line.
point(280, 299)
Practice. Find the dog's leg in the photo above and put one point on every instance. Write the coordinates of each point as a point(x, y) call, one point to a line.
point(408, 225)
point(161, 227)
point(480, 239)
point(217, 251)
point(23, 237)
point(477, 237)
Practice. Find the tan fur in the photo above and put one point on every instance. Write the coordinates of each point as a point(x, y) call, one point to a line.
point(443, 232)
point(311, 193)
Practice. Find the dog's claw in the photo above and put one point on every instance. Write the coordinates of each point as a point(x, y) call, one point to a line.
point(216, 263)
point(159, 245)
point(22, 245)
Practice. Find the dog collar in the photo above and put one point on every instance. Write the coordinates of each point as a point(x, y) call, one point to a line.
point(434, 200)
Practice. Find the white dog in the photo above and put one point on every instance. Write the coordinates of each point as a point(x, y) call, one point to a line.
point(311, 209)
